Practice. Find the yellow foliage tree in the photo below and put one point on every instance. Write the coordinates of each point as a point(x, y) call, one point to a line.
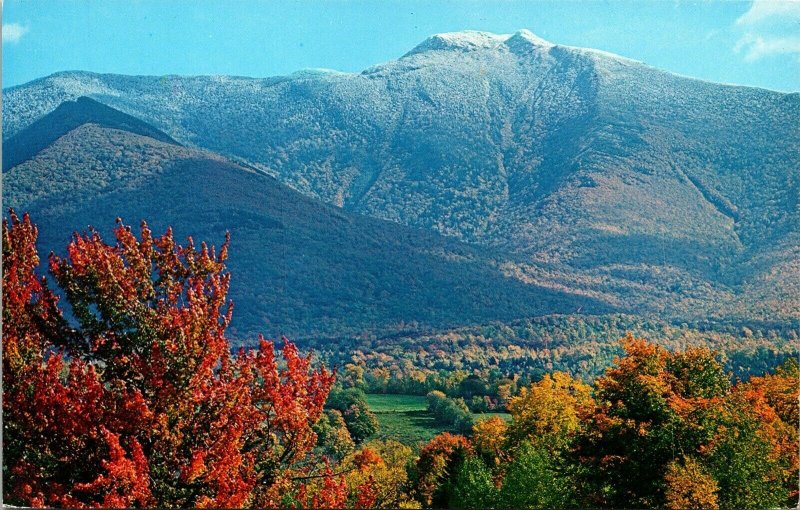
point(550, 411)
point(690, 487)
point(383, 464)
point(489, 438)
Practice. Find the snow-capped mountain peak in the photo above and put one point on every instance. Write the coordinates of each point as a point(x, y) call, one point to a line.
point(472, 40)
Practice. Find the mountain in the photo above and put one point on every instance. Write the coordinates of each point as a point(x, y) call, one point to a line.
point(69, 115)
point(650, 192)
point(300, 267)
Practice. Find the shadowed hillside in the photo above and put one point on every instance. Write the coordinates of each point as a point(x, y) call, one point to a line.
point(69, 115)
point(300, 267)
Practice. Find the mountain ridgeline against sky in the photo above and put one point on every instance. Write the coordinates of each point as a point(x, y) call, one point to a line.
point(593, 176)
point(68, 116)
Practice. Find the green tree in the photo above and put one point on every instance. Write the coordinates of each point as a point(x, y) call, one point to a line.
point(473, 486)
point(352, 403)
point(450, 412)
point(536, 480)
point(333, 438)
point(742, 462)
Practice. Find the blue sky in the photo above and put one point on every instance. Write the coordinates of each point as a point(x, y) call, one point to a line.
point(747, 43)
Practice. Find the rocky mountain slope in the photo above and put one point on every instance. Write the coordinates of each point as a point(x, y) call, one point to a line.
point(300, 267)
point(651, 192)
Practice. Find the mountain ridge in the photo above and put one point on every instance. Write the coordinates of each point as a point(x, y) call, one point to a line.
point(69, 115)
point(599, 168)
point(9, 128)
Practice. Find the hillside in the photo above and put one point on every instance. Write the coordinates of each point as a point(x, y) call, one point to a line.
point(69, 115)
point(300, 267)
point(651, 192)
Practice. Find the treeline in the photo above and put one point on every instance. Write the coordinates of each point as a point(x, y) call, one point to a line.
point(485, 365)
point(450, 412)
point(351, 405)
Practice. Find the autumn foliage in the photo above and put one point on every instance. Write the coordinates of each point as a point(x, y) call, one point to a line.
point(137, 399)
point(678, 413)
point(659, 430)
point(437, 465)
point(134, 399)
point(551, 410)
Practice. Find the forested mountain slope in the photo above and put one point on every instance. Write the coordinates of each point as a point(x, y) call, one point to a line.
point(68, 116)
point(300, 267)
point(652, 192)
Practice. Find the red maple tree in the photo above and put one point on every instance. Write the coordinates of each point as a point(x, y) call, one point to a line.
point(138, 401)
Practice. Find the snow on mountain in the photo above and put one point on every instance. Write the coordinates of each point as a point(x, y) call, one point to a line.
point(652, 188)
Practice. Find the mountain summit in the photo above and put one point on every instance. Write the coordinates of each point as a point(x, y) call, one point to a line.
point(652, 192)
point(470, 40)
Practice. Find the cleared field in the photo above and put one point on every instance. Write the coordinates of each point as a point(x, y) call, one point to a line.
point(396, 403)
point(405, 418)
point(412, 428)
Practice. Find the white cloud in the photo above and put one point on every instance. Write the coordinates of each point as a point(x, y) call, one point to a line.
point(769, 27)
point(756, 47)
point(13, 32)
point(765, 10)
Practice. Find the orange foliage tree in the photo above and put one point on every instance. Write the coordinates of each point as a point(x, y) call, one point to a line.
point(140, 402)
point(775, 398)
point(379, 471)
point(659, 412)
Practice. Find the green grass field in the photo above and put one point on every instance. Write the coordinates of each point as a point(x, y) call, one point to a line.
point(405, 418)
point(396, 403)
